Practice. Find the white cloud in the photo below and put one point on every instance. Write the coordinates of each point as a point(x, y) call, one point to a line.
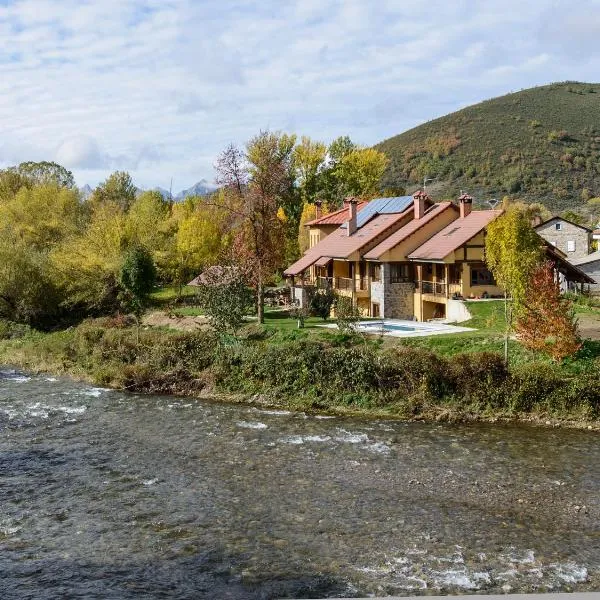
point(159, 87)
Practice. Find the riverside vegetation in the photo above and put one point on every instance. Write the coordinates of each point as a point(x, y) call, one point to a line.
point(312, 369)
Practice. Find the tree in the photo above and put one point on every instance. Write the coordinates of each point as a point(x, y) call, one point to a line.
point(42, 215)
point(225, 296)
point(256, 184)
point(360, 172)
point(309, 161)
point(45, 172)
point(136, 278)
point(513, 251)
point(27, 294)
point(547, 322)
point(573, 216)
point(117, 189)
point(147, 222)
point(321, 303)
point(87, 264)
point(346, 314)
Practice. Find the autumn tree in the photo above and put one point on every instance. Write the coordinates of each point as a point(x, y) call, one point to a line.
point(547, 322)
point(256, 184)
point(513, 251)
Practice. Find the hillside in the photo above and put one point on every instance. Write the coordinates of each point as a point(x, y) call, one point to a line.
point(540, 144)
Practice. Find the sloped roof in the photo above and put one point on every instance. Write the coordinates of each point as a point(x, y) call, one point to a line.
point(406, 231)
point(562, 219)
point(594, 256)
point(341, 245)
point(453, 236)
point(571, 271)
point(303, 263)
point(335, 218)
point(382, 206)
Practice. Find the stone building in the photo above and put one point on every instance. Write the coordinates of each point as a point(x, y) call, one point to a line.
point(572, 239)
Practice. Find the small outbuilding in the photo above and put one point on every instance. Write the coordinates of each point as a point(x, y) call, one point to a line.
point(590, 265)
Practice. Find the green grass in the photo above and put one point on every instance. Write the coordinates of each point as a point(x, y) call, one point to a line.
point(169, 294)
point(507, 146)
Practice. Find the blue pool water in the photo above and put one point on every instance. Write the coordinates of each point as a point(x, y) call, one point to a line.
point(388, 326)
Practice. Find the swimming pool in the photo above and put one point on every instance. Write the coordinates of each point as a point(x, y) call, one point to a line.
point(404, 328)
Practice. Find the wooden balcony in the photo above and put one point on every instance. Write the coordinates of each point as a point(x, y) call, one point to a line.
point(435, 289)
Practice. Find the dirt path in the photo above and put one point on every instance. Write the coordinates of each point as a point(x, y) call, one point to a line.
point(160, 318)
point(589, 325)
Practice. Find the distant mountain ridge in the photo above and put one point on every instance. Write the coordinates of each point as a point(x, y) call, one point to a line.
point(200, 188)
point(539, 144)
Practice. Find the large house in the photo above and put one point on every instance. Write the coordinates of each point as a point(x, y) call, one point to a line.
point(404, 257)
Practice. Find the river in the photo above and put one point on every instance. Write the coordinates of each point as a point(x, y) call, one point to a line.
point(109, 495)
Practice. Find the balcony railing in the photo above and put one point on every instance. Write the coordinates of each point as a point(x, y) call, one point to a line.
point(324, 282)
point(433, 288)
point(343, 283)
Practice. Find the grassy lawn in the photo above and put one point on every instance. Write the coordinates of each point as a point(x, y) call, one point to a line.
point(168, 294)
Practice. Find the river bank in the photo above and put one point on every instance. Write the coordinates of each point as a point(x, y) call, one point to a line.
point(332, 374)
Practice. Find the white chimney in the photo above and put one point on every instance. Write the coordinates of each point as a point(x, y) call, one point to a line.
point(352, 202)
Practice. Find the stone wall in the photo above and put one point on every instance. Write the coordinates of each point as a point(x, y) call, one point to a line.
point(568, 232)
point(395, 299)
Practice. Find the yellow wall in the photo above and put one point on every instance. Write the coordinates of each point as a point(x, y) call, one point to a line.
point(477, 290)
point(317, 233)
point(400, 252)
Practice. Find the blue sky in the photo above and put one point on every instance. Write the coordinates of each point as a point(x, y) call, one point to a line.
point(159, 87)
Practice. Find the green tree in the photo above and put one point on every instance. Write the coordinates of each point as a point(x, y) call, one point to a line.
point(45, 172)
point(360, 172)
point(117, 189)
point(27, 293)
point(42, 215)
point(225, 296)
point(321, 303)
point(87, 264)
point(513, 252)
point(309, 161)
point(147, 221)
point(137, 278)
point(346, 314)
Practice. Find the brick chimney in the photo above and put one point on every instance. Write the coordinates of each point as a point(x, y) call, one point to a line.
point(419, 198)
point(465, 203)
point(318, 212)
point(351, 202)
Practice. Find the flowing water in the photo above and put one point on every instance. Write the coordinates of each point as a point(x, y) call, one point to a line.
point(107, 495)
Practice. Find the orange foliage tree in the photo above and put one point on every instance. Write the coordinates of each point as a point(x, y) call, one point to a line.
point(546, 322)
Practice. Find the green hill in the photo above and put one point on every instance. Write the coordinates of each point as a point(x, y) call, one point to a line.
point(540, 144)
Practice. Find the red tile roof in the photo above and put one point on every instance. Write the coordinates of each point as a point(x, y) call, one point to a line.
point(453, 236)
point(335, 218)
point(406, 231)
point(341, 245)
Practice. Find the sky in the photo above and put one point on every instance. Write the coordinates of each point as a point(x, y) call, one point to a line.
point(160, 87)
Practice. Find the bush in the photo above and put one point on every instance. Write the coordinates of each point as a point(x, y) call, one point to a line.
point(346, 314)
point(321, 303)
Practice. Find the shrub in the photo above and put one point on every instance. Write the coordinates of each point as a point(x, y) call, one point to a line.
point(346, 314)
point(321, 303)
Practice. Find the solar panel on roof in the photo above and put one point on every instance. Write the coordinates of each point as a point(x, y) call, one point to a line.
point(381, 206)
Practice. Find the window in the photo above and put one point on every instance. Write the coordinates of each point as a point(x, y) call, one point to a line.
point(375, 272)
point(481, 276)
point(571, 246)
point(400, 273)
point(558, 226)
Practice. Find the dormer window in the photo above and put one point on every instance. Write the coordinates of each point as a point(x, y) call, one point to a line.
point(558, 226)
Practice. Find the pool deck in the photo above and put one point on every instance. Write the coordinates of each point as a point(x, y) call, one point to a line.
point(419, 329)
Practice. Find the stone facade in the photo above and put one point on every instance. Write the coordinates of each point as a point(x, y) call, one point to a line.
point(395, 299)
point(573, 240)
